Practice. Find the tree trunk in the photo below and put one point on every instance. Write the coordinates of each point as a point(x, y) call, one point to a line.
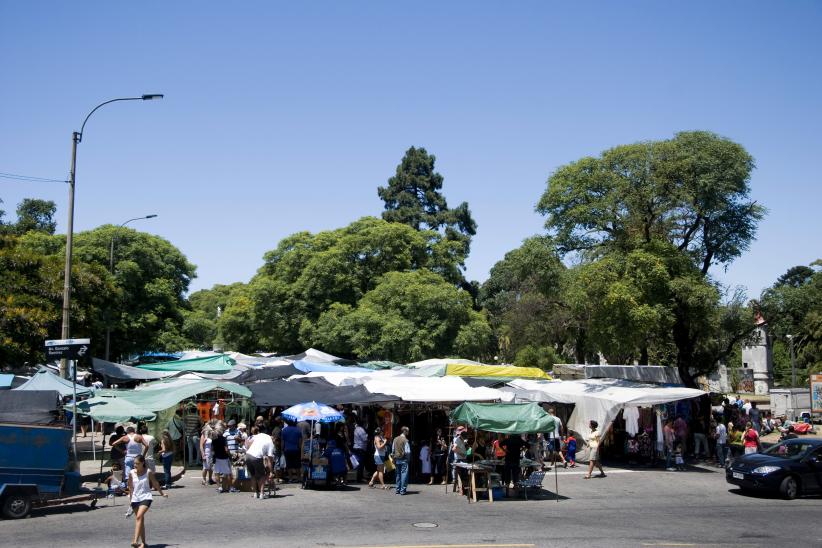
point(685, 345)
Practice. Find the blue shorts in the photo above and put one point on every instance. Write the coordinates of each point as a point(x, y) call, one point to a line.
point(378, 459)
point(135, 505)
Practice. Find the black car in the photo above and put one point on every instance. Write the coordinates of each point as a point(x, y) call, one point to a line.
point(791, 468)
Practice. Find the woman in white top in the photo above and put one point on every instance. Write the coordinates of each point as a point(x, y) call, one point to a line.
point(205, 451)
point(593, 446)
point(135, 446)
point(151, 447)
point(140, 482)
point(379, 459)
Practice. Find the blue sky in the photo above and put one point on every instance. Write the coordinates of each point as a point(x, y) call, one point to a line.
point(281, 117)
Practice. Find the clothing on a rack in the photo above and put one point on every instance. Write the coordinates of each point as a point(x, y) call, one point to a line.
point(631, 416)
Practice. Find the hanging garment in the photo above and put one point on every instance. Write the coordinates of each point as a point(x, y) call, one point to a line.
point(631, 416)
point(660, 442)
point(204, 410)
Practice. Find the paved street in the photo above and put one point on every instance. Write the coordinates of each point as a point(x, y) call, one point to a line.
point(628, 508)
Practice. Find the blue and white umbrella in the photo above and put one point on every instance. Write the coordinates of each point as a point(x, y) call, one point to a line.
point(312, 412)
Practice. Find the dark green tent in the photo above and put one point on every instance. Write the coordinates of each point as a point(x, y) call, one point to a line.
point(508, 418)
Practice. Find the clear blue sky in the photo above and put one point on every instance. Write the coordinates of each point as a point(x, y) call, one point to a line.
point(281, 117)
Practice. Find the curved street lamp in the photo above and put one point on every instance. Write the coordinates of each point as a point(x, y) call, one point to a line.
point(111, 269)
point(77, 137)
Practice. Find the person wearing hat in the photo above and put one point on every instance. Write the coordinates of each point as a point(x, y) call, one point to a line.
point(459, 448)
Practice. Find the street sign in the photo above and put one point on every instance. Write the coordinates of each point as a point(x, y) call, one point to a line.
point(71, 349)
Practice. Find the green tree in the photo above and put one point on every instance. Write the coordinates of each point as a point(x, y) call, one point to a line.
point(408, 316)
point(414, 197)
point(308, 273)
point(524, 297)
point(691, 194)
point(35, 215)
point(145, 297)
point(531, 356)
point(200, 324)
point(31, 288)
point(793, 306)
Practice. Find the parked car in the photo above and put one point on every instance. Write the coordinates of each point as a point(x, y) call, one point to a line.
point(791, 468)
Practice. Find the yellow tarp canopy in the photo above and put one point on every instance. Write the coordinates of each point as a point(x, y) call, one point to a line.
point(511, 371)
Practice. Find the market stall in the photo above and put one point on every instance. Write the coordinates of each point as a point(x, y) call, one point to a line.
point(599, 399)
point(501, 418)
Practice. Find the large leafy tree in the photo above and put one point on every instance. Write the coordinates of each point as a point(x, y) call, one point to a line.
point(414, 197)
point(152, 277)
point(308, 274)
point(145, 299)
point(31, 288)
point(793, 307)
point(408, 316)
point(524, 298)
point(690, 196)
point(692, 191)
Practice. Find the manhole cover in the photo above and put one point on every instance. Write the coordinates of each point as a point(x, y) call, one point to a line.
point(425, 525)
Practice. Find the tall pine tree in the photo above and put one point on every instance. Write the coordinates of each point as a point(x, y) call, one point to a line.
point(413, 197)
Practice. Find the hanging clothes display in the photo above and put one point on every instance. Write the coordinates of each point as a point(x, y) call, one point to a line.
point(204, 410)
point(660, 443)
point(631, 416)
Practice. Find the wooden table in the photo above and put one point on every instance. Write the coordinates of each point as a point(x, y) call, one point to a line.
point(473, 471)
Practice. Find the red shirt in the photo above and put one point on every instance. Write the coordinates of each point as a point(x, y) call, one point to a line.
point(751, 438)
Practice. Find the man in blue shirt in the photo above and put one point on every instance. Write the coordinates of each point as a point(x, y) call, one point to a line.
point(292, 438)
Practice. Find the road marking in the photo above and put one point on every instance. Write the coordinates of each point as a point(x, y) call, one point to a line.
point(450, 546)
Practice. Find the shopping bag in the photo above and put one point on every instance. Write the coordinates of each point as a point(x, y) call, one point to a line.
point(389, 465)
point(355, 462)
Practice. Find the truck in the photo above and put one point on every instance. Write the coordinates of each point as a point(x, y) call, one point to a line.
point(34, 458)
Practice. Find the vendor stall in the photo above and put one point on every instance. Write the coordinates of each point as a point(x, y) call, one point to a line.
point(598, 399)
point(501, 418)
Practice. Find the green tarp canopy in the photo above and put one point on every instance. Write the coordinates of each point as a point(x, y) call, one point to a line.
point(508, 418)
point(209, 364)
point(148, 400)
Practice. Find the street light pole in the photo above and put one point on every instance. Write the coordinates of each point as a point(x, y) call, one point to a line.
point(76, 138)
point(111, 269)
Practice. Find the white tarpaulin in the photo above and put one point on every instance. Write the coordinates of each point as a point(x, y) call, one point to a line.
point(352, 378)
point(597, 399)
point(433, 389)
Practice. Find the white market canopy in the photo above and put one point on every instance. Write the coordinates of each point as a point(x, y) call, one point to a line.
point(432, 389)
point(597, 399)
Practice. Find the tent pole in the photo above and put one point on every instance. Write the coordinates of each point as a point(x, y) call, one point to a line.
point(556, 482)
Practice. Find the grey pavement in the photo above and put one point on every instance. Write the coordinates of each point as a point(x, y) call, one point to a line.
point(649, 508)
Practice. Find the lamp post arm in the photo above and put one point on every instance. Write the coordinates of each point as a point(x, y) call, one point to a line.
point(83, 127)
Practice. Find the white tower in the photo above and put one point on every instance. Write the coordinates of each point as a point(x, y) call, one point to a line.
point(759, 357)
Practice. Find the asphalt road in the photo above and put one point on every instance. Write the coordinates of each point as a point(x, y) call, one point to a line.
point(648, 508)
